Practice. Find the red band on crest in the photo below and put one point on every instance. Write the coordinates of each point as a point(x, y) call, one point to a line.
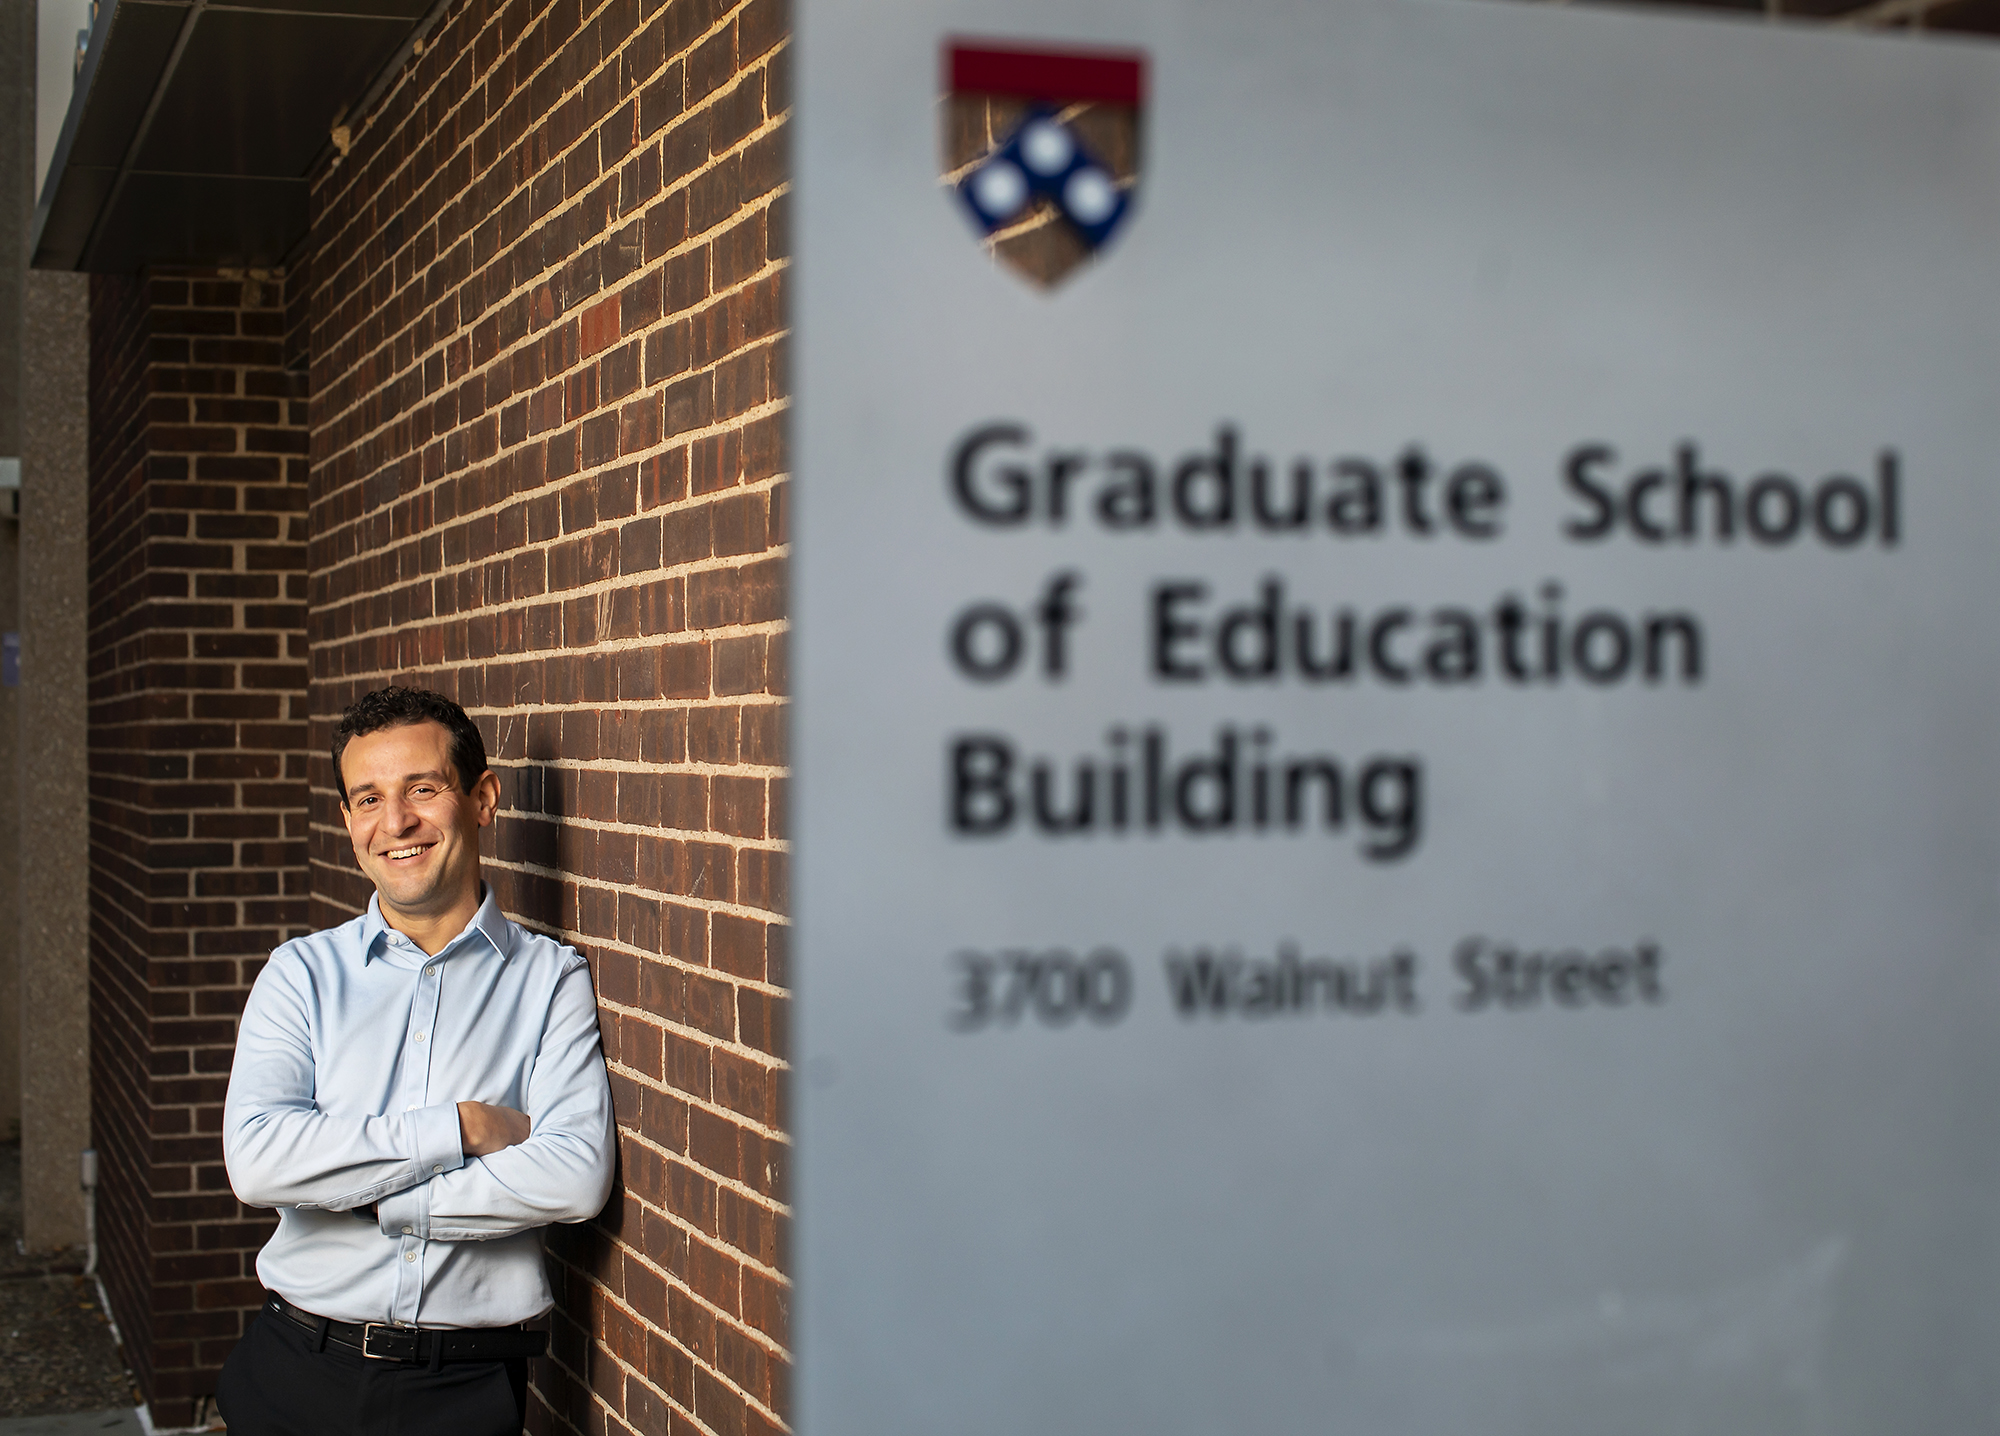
point(1115, 76)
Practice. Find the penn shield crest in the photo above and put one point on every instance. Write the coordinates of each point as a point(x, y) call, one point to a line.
point(1041, 149)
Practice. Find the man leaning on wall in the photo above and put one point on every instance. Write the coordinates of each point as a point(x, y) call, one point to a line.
point(418, 1092)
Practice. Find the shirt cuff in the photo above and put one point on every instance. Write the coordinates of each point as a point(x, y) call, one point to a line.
point(407, 1213)
point(436, 1132)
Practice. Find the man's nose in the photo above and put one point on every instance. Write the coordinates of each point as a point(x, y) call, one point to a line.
point(397, 816)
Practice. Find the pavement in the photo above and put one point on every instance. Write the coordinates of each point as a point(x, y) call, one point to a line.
point(122, 1422)
point(58, 1361)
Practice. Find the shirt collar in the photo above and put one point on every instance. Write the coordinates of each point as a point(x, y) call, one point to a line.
point(489, 922)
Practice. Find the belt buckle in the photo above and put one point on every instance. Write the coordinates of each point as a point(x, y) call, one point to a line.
point(396, 1343)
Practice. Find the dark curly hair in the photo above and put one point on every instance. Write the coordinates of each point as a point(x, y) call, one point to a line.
point(399, 707)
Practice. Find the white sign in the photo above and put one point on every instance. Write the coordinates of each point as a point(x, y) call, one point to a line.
point(1397, 778)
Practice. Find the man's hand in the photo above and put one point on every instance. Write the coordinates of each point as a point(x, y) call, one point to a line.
point(484, 1128)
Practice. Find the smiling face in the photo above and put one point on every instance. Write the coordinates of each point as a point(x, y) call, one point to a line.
point(415, 830)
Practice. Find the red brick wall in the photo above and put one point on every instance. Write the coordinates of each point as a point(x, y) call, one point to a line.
point(546, 329)
point(197, 782)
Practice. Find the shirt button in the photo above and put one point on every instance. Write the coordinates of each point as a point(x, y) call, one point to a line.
point(409, 1256)
point(430, 972)
point(420, 1037)
point(438, 1168)
point(409, 1231)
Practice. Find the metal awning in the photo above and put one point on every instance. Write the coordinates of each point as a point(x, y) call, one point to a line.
point(194, 123)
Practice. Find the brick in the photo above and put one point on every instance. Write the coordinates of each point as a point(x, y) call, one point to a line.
point(542, 305)
point(219, 761)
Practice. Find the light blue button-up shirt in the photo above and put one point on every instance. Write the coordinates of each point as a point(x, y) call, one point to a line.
point(353, 1054)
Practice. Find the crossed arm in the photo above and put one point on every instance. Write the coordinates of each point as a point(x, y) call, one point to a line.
point(456, 1170)
point(484, 1128)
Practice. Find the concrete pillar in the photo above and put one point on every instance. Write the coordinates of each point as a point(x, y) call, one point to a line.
point(44, 776)
point(54, 761)
point(17, 131)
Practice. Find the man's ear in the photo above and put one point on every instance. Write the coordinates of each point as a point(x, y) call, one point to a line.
point(486, 797)
point(346, 816)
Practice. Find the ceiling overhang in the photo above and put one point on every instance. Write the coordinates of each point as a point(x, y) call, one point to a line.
point(195, 123)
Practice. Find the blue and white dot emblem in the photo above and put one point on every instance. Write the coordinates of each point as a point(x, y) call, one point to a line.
point(1042, 149)
point(1045, 159)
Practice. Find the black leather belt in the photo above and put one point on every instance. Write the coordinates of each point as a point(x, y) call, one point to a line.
point(385, 1341)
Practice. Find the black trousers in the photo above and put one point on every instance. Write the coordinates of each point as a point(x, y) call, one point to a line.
point(276, 1383)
